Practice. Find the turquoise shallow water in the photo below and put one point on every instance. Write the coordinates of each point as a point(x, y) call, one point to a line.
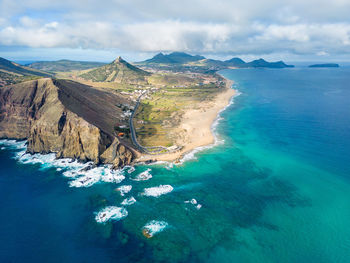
point(277, 190)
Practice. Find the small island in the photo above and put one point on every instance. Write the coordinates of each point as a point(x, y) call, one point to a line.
point(326, 65)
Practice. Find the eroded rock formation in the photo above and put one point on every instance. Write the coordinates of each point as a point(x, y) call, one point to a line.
point(64, 117)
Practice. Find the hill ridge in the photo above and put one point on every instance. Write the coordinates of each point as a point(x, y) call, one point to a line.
point(181, 58)
point(119, 70)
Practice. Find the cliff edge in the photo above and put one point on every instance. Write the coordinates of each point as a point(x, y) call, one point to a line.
point(66, 118)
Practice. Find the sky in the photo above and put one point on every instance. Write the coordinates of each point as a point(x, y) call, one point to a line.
point(100, 30)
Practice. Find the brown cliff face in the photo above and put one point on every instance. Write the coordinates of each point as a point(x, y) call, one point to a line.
point(64, 117)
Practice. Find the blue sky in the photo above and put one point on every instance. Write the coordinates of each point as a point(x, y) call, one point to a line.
point(314, 30)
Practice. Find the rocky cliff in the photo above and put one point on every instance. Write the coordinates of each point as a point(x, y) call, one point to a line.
point(64, 117)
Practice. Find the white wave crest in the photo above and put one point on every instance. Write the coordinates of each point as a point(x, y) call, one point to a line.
point(153, 227)
point(47, 160)
point(144, 176)
point(13, 144)
point(130, 169)
point(89, 177)
point(84, 174)
point(111, 213)
point(124, 189)
point(157, 191)
point(128, 201)
point(194, 202)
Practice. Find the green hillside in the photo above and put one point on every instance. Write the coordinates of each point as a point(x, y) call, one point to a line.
point(12, 73)
point(118, 71)
point(64, 65)
point(12, 67)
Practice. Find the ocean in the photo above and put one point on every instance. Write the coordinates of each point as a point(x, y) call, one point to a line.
point(275, 188)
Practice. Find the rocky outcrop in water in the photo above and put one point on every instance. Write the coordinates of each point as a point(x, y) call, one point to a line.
point(64, 117)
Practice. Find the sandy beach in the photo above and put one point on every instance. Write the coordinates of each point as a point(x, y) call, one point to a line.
point(195, 129)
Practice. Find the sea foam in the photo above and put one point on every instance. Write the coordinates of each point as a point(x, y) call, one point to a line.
point(82, 174)
point(157, 191)
point(131, 169)
point(153, 227)
point(111, 213)
point(124, 189)
point(128, 201)
point(195, 203)
point(13, 144)
point(144, 176)
point(87, 177)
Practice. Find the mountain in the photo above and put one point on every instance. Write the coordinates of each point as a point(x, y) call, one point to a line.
point(326, 65)
point(172, 58)
point(261, 63)
point(181, 57)
point(118, 71)
point(160, 58)
point(235, 62)
point(11, 73)
point(14, 68)
point(180, 60)
point(209, 63)
point(67, 118)
point(64, 65)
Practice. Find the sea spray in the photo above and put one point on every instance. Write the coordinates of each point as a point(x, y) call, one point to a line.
point(111, 213)
point(153, 227)
point(144, 176)
point(194, 202)
point(82, 174)
point(157, 191)
point(124, 189)
point(128, 201)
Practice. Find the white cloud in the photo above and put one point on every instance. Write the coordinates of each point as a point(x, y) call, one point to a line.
point(322, 53)
point(222, 26)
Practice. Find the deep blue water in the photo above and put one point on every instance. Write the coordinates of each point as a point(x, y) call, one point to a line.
point(277, 190)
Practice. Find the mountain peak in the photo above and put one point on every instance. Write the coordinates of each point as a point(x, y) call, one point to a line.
point(118, 71)
point(160, 55)
point(173, 58)
point(119, 60)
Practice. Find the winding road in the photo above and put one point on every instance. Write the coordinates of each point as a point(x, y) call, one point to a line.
point(148, 150)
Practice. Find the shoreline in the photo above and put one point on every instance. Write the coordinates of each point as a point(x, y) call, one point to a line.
point(196, 127)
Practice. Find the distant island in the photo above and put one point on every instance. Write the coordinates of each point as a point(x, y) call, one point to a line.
point(326, 65)
point(182, 61)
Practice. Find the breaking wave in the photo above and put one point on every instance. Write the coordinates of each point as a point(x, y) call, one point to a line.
point(157, 191)
point(194, 202)
point(82, 174)
point(13, 144)
point(144, 176)
point(111, 213)
point(88, 176)
point(153, 227)
point(128, 201)
point(124, 189)
point(131, 169)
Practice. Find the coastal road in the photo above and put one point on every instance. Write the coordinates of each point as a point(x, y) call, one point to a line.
point(149, 150)
point(132, 128)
